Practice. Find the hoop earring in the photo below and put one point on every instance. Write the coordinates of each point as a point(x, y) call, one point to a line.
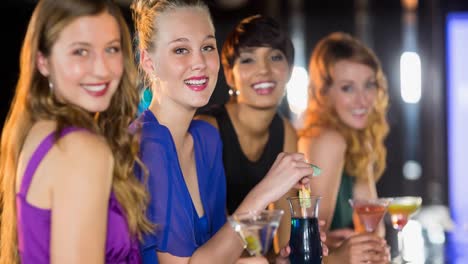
point(233, 92)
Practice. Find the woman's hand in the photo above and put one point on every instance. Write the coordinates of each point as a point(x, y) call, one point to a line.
point(361, 248)
point(323, 238)
point(283, 257)
point(338, 236)
point(289, 170)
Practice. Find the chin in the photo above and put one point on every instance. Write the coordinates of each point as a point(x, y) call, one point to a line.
point(261, 104)
point(97, 108)
point(358, 126)
point(353, 124)
point(265, 107)
point(200, 102)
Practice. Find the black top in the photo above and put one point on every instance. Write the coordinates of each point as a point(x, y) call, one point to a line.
point(241, 173)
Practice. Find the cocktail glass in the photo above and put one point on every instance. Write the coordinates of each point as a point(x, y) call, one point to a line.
point(370, 211)
point(400, 209)
point(256, 229)
point(305, 243)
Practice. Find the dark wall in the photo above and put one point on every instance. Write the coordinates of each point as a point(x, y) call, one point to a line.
point(14, 17)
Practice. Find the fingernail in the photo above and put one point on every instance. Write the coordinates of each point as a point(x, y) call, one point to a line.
point(317, 170)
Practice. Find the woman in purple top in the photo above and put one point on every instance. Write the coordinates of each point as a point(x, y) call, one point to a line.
point(67, 187)
point(179, 57)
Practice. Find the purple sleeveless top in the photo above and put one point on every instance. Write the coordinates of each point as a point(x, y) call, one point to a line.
point(34, 224)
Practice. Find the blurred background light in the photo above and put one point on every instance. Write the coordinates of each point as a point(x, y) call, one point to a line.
point(296, 90)
point(410, 77)
point(412, 170)
point(414, 251)
point(409, 5)
point(457, 125)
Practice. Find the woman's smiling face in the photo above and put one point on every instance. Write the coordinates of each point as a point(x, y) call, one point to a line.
point(353, 92)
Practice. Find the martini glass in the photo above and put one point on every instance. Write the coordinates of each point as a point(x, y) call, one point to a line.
point(256, 229)
point(400, 209)
point(370, 211)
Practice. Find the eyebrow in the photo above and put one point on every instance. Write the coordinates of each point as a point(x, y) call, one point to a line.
point(246, 50)
point(252, 49)
point(80, 43)
point(87, 44)
point(183, 39)
point(370, 79)
point(342, 81)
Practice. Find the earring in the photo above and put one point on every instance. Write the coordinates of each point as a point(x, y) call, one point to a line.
point(154, 79)
point(233, 92)
point(51, 86)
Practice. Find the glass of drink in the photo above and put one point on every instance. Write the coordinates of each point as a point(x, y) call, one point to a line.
point(256, 229)
point(305, 243)
point(370, 211)
point(400, 209)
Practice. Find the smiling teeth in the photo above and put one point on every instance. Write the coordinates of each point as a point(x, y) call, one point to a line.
point(359, 111)
point(94, 88)
point(196, 82)
point(263, 85)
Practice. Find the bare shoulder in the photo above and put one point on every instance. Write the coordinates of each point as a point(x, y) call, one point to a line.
point(324, 138)
point(331, 136)
point(81, 168)
point(80, 141)
point(207, 118)
point(83, 157)
point(83, 141)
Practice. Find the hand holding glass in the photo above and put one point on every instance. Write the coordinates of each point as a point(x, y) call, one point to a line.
point(256, 229)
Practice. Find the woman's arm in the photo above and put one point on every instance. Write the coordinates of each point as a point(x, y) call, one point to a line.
point(290, 137)
point(284, 229)
point(225, 246)
point(326, 149)
point(81, 166)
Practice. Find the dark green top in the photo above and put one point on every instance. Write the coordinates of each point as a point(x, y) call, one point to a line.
point(343, 216)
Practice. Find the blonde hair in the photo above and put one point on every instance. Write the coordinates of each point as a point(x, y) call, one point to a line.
point(146, 14)
point(33, 101)
point(363, 146)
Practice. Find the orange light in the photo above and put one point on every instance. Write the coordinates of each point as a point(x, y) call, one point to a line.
point(409, 5)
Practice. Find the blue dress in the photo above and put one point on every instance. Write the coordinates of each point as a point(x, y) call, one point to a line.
point(179, 229)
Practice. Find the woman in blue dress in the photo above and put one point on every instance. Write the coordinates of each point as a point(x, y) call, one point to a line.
point(179, 58)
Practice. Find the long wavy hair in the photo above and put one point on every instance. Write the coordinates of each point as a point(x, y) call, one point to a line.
point(33, 101)
point(364, 147)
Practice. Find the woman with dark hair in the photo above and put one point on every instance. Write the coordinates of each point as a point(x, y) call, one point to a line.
point(68, 191)
point(344, 130)
point(257, 59)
